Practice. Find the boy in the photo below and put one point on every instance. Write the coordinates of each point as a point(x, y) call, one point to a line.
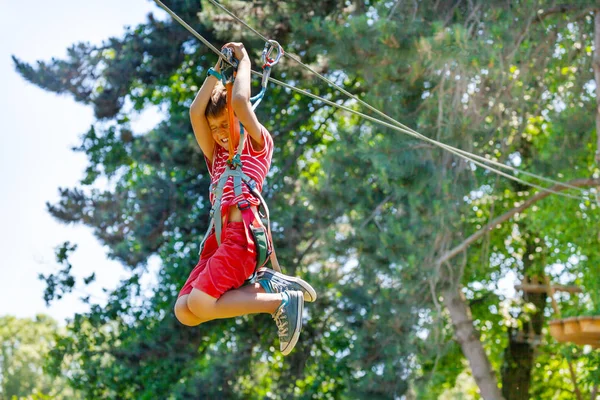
point(214, 288)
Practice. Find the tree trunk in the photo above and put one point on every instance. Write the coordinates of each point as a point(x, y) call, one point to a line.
point(468, 338)
point(516, 369)
point(519, 355)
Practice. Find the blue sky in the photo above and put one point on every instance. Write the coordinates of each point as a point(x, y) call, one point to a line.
point(38, 130)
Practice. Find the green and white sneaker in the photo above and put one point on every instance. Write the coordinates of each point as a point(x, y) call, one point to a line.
point(276, 282)
point(288, 318)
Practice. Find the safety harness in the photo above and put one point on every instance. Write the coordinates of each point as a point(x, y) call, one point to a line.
point(257, 222)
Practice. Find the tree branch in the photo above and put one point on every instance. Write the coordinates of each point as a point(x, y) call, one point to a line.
point(560, 9)
point(308, 248)
point(376, 211)
point(543, 14)
point(574, 379)
point(583, 182)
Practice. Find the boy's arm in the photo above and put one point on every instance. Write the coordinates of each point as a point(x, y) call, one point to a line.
point(199, 122)
point(240, 99)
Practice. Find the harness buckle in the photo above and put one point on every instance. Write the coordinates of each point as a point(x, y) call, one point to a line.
point(235, 162)
point(243, 205)
point(251, 183)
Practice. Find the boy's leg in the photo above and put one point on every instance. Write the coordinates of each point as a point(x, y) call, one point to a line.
point(286, 309)
point(250, 299)
point(183, 313)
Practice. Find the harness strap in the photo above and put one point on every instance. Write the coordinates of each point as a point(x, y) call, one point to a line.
point(216, 209)
point(263, 203)
point(216, 212)
point(211, 225)
point(248, 213)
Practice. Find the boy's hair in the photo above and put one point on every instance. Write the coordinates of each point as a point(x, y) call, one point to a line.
point(218, 101)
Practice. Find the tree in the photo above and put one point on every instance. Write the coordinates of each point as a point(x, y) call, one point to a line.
point(24, 345)
point(373, 218)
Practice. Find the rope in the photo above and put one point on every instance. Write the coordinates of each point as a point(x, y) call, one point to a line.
point(397, 125)
point(192, 31)
point(425, 138)
point(375, 110)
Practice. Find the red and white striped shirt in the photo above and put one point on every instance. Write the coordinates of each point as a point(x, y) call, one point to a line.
point(255, 164)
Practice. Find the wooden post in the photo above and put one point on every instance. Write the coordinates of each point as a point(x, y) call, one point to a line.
point(551, 291)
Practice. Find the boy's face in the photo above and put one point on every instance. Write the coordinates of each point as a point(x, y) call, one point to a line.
point(219, 127)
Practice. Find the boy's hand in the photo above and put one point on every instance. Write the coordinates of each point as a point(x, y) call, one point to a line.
point(238, 49)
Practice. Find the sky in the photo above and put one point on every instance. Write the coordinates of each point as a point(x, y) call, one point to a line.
point(39, 129)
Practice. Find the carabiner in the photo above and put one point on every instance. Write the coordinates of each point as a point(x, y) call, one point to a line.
point(266, 54)
point(231, 62)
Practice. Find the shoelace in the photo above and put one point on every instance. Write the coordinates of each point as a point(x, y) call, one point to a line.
point(281, 322)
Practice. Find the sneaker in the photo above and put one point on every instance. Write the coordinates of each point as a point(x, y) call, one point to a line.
point(276, 282)
point(288, 318)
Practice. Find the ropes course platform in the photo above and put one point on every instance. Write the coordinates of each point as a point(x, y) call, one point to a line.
point(584, 330)
point(577, 330)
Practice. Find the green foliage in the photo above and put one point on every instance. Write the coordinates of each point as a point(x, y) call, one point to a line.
point(24, 345)
point(62, 282)
point(360, 210)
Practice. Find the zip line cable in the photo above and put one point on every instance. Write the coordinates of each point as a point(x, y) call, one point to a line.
point(192, 31)
point(397, 125)
point(375, 110)
point(425, 138)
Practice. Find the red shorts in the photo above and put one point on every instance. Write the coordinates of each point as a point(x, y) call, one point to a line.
point(223, 267)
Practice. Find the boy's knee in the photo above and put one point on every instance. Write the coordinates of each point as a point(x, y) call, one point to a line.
point(201, 305)
point(184, 315)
